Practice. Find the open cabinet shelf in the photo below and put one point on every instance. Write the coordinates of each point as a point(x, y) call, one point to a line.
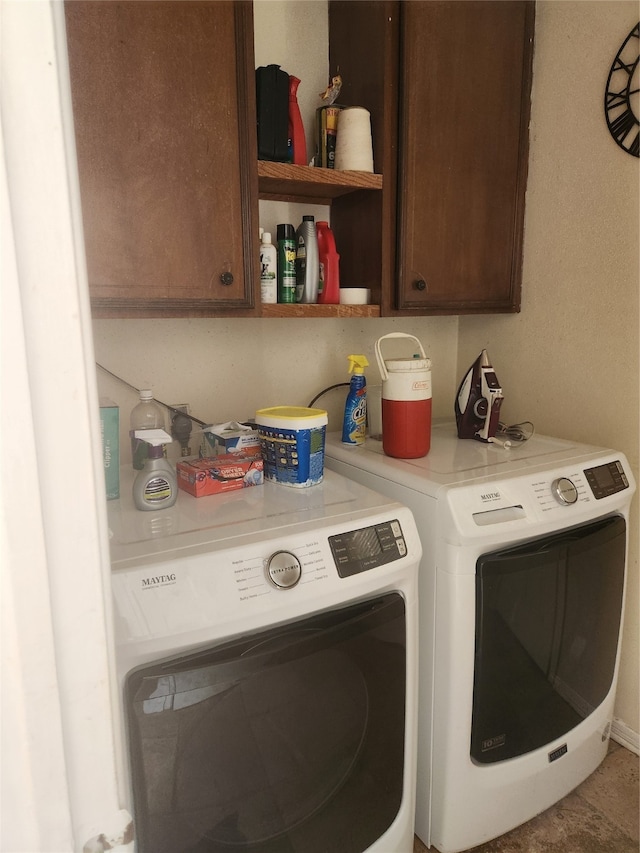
point(286, 182)
point(311, 185)
point(311, 311)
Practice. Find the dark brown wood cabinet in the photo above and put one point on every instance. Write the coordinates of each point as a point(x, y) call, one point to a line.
point(164, 107)
point(448, 84)
point(465, 92)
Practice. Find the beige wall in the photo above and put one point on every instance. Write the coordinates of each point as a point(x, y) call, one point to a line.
point(569, 361)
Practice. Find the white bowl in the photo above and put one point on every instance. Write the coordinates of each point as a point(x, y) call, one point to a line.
point(355, 295)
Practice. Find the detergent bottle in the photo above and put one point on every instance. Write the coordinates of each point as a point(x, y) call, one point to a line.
point(329, 287)
point(355, 410)
point(406, 402)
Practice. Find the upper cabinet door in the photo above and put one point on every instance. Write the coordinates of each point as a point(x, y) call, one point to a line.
point(465, 103)
point(162, 99)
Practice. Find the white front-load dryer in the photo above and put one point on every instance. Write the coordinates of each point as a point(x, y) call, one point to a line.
point(521, 601)
point(266, 649)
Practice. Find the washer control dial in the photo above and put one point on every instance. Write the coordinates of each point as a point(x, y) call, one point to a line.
point(564, 491)
point(284, 569)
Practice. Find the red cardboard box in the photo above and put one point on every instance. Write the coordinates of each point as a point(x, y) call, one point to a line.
point(217, 474)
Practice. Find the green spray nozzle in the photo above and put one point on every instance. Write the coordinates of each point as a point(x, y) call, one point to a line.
point(357, 363)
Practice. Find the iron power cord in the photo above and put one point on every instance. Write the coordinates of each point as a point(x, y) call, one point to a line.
point(516, 432)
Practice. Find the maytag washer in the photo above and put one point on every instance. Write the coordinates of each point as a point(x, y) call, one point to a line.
point(521, 601)
point(266, 650)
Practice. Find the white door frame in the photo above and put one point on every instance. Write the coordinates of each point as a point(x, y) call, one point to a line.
point(59, 785)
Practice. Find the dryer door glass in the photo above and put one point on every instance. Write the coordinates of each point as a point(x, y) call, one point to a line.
point(290, 740)
point(547, 629)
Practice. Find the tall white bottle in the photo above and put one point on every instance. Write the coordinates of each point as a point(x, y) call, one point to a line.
point(307, 261)
point(268, 270)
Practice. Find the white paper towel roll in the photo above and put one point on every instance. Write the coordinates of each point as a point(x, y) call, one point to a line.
point(354, 149)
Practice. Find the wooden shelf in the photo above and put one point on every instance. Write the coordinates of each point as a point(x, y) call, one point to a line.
point(283, 181)
point(311, 311)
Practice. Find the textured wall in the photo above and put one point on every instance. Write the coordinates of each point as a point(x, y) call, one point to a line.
point(569, 361)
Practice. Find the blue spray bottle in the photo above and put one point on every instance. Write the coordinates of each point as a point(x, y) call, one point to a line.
point(355, 410)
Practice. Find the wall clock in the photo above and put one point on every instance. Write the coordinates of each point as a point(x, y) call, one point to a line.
point(622, 95)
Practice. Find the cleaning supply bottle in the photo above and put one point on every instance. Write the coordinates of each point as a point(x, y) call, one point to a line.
point(355, 410)
point(329, 263)
point(297, 139)
point(146, 415)
point(307, 265)
point(286, 263)
point(268, 270)
point(156, 486)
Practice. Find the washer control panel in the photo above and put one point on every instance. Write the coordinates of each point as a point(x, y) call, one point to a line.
point(607, 479)
point(283, 569)
point(360, 550)
point(564, 490)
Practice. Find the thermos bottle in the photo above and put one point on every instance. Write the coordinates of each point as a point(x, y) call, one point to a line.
point(406, 402)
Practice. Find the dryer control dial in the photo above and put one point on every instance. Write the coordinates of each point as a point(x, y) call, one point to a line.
point(284, 569)
point(564, 491)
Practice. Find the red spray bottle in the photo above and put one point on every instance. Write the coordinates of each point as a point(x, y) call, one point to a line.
point(329, 292)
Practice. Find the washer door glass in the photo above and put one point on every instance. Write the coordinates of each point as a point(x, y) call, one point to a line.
point(547, 629)
point(287, 741)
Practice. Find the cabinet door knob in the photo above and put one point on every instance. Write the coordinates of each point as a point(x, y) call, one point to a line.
point(226, 278)
point(420, 284)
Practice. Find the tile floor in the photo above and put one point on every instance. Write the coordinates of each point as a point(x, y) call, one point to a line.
point(600, 816)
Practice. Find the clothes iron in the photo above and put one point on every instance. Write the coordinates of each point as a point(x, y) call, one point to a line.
point(478, 401)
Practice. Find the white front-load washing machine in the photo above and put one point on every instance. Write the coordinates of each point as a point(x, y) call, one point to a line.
point(521, 600)
point(266, 650)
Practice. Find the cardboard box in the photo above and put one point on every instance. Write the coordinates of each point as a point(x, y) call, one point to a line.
point(110, 433)
point(216, 475)
point(230, 437)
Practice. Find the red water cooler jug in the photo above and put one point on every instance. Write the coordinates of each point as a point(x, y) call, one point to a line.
point(406, 402)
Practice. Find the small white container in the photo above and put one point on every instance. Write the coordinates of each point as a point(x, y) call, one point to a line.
point(355, 295)
point(292, 441)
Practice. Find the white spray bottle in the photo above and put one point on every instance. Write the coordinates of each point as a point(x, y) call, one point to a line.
point(156, 486)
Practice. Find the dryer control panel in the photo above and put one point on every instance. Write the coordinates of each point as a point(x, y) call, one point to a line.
point(607, 479)
point(360, 550)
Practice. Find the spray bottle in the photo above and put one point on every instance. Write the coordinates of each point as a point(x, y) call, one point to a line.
point(307, 263)
point(156, 486)
point(355, 409)
point(145, 416)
